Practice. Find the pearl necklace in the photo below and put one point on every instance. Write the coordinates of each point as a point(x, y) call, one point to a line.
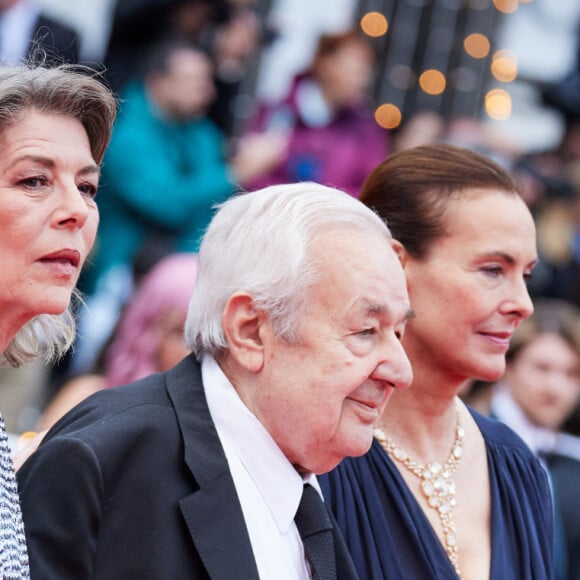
point(437, 484)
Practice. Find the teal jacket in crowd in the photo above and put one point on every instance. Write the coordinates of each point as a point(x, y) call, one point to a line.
point(160, 180)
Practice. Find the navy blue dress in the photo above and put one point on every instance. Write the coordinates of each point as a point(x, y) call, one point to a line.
point(390, 537)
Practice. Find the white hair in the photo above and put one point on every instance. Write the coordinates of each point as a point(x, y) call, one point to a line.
point(260, 243)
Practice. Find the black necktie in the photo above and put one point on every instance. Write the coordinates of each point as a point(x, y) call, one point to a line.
point(315, 530)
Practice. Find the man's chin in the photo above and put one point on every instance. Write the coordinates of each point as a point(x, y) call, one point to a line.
point(357, 444)
point(361, 444)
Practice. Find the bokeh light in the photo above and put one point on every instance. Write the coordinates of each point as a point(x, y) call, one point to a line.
point(504, 66)
point(432, 82)
point(374, 24)
point(498, 104)
point(506, 6)
point(388, 116)
point(477, 45)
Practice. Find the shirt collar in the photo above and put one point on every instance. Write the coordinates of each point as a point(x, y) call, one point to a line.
point(539, 439)
point(279, 484)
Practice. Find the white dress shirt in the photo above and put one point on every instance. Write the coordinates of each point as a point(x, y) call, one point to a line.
point(268, 486)
point(539, 439)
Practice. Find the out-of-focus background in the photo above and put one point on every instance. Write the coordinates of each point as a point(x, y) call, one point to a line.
point(442, 55)
point(500, 76)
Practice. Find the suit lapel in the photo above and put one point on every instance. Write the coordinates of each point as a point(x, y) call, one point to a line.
point(213, 513)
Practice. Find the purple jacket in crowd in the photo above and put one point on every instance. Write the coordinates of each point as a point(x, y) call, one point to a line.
point(337, 149)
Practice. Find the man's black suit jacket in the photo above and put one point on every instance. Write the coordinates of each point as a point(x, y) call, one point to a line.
point(133, 484)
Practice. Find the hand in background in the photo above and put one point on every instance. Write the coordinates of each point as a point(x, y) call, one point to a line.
point(257, 153)
point(26, 447)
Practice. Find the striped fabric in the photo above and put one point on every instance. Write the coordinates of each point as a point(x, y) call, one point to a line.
point(13, 553)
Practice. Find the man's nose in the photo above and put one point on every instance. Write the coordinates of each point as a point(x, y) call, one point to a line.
point(394, 367)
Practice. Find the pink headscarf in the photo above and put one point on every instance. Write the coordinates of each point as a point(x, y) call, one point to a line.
point(167, 286)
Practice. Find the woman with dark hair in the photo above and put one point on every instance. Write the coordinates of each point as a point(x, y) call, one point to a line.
point(445, 492)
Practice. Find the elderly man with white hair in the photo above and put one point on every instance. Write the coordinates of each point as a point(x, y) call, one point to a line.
point(204, 471)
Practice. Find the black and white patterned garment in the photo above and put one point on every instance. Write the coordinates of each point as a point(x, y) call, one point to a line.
point(13, 553)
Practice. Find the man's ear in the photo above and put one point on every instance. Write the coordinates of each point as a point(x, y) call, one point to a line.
point(242, 325)
point(400, 251)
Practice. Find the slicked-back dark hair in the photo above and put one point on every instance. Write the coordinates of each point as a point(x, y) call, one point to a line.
point(412, 190)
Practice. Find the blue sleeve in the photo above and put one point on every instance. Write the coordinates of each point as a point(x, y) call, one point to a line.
point(143, 170)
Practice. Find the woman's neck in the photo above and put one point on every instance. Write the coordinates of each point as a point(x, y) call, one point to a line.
point(422, 421)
